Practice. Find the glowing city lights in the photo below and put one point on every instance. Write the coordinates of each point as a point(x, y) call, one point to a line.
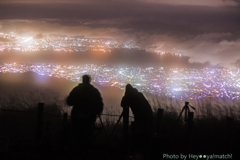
point(183, 84)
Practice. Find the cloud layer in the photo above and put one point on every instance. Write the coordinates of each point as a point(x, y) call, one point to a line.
point(205, 30)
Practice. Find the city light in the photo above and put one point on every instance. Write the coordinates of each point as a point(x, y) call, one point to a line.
point(71, 44)
point(183, 84)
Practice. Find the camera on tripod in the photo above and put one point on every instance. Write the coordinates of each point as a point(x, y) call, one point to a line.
point(187, 110)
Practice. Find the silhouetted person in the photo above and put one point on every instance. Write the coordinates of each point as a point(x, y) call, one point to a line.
point(143, 117)
point(87, 104)
point(139, 105)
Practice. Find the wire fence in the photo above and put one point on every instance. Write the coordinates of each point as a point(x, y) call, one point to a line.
point(28, 126)
point(31, 127)
point(107, 118)
point(111, 119)
point(32, 124)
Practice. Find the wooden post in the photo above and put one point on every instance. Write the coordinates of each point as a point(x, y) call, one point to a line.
point(159, 119)
point(39, 123)
point(229, 123)
point(65, 119)
point(125, 128)
point(230, 130)
point(190, 117)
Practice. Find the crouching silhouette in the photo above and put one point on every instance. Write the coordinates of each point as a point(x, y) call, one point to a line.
point(142, 127)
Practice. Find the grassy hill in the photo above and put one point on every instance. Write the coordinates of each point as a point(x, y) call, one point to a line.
point(209, 134)
point(31, 86)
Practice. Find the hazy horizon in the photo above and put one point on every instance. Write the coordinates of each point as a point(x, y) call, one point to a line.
point(208, 32)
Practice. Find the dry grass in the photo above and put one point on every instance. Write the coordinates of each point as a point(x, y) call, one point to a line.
point(216, 122)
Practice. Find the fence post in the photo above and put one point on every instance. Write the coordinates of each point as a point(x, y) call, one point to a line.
point(230, 130)
point(190, 117)
point(125, 128)
point(39, 123)
point(159, 119)
point(65, 118)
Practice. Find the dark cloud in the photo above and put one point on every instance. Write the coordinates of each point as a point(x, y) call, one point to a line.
point(40, 28)
point(212, 3)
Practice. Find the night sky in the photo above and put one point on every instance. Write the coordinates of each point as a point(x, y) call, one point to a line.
point(206, 30)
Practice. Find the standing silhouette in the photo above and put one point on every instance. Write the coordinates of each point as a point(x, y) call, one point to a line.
point(87, 104)
point(143, 118)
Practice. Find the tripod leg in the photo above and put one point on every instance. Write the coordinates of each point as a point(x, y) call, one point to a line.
point(186, 113)
point(180, 115)
point(116, 124)
point(176, 123)
point(178, 119)
point(102, 125)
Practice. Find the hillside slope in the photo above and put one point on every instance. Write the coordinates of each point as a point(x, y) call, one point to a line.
point(47, 88)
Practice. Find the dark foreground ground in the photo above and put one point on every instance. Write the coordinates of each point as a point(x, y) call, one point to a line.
point(194, 146)
point(217, 138)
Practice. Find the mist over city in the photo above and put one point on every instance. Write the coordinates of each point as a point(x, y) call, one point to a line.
point(169, 53)
point(205, 31)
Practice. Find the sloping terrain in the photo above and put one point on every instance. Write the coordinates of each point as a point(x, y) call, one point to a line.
point(45, 88)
